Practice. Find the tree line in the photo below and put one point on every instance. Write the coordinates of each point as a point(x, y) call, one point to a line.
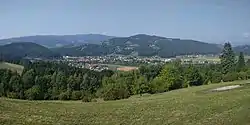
point(58, 81)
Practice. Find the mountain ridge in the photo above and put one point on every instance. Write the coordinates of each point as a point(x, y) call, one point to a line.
point(137, 45)
point(20, 50)
point(51, 41)
point(145, 45)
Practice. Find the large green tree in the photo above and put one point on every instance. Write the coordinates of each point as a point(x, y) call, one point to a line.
point(227, 59)
point(193, 76)
point(241, 62)
point(141, 85)
point(172, 76)
point(28, 79)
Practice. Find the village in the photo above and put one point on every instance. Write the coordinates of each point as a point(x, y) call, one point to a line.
point(122, 62)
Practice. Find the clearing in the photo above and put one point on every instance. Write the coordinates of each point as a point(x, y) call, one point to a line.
point(13, 67)
point(120, 67)
point(190, 106)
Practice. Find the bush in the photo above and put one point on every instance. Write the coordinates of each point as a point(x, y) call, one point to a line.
point(248, 74)
point(94, 100)
point(12, 95)
point(64, 96)
point(229, 77)
point(86, 99)
point(242, 75)
point(1, 89)
point(115, 92)
point(158, 85)
point(113, 89)
point(33, 93)
point(216, 77)
point(76, 95)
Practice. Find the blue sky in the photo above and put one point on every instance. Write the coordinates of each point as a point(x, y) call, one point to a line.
point(214, 21)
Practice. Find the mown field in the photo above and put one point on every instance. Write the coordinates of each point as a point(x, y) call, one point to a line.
point(212, 59)
point(191, 106)
point(120, 67)
point(13, 67)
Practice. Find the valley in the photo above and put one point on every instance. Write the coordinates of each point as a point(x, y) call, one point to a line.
point(124, 62)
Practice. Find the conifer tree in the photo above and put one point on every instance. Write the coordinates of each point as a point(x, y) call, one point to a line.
point(227, 59)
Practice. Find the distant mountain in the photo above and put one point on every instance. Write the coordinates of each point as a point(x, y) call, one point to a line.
point(244, 48)
point(25, 49)
point(142, 45)
point(59, 40)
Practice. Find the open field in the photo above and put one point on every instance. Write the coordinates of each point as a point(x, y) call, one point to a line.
point(127, 68)
point(13, 67)
point(120, 67)
point(212, 59)
point(191, 106)
point(216, 59)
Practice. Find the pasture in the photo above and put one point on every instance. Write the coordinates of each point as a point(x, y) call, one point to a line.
point(189, 106)
point(12, 67)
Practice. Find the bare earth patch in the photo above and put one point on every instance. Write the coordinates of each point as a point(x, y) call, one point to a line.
point(226, 88)
point(127, 68)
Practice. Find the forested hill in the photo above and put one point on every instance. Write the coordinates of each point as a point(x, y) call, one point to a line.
point(59, 40)
point(245, 49)
point(25, 49)
point(142, 45)
point(138, 45)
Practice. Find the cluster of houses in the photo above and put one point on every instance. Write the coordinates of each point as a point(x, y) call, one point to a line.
point(93, 62)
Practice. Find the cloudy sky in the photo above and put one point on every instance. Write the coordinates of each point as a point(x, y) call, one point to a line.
point(214, 21)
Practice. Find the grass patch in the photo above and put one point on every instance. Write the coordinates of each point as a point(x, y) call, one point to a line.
point(13, 67)
point(190, 106)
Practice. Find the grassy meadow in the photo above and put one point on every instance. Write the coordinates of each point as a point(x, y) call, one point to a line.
point(119, 67)
point(13, 67)
point(189, 106)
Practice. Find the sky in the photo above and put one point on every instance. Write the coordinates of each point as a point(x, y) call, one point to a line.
point(214, 21)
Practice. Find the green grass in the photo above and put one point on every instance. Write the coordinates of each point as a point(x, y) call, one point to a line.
point(214, 59)
point(13, 67)
point(191, 106)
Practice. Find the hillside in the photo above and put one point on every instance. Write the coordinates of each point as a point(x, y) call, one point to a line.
point(143, 45)
point(25, 49)
point(59, 40)
point(12, 67)
point(245, 49)
point(190, 106)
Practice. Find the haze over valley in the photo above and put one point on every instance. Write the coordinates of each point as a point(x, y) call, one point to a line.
point(123, 62)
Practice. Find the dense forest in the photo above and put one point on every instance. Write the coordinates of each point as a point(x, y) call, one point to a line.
point(15, 51)
point(137, 45)
point(58, 81)
point(51, 41)
point(141, 45)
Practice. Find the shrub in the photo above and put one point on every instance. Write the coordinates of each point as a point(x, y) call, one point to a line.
point(230, 77)
point(113, 89)
point(158, 85)
point(12, 95)
point(242, 75)
point(94, 100)
point(86, 99)
point(1, 89)
point(115, 92)
point(64, 96)
point(248, 74)
point(216, 77)
point(76, 95)
point(33, 93)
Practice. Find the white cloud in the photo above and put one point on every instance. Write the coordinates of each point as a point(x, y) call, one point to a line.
point(246, 34)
